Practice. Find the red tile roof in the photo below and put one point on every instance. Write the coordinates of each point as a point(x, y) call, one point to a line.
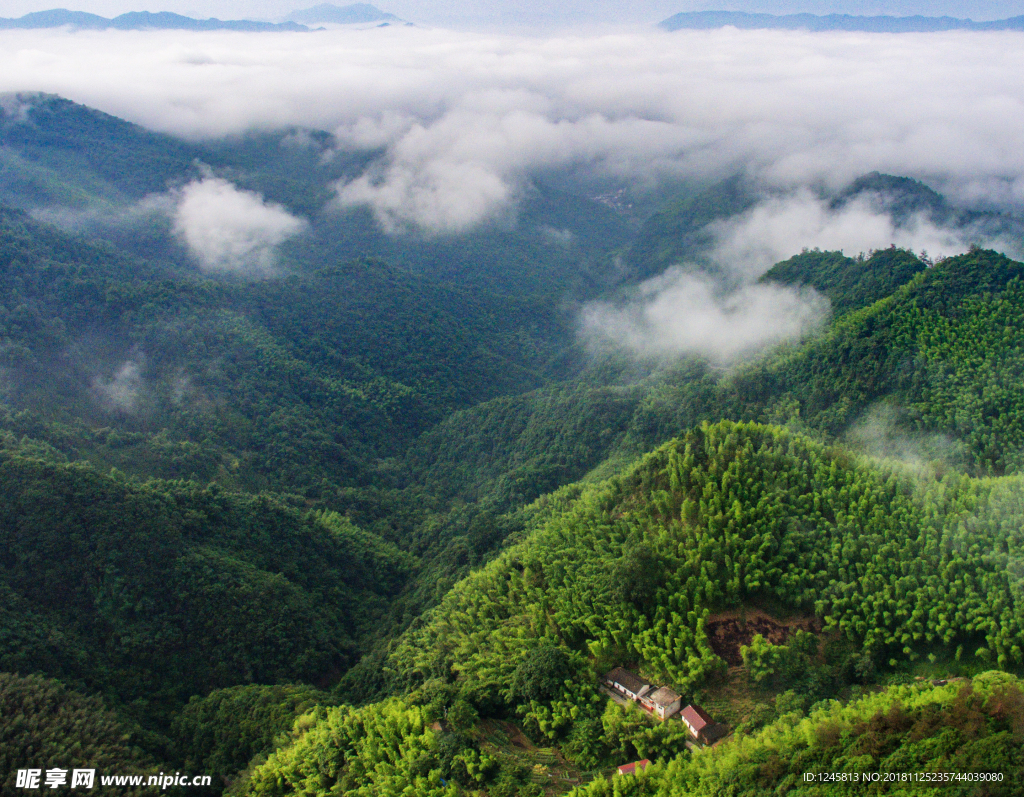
point(630, 769)
point(697, 717)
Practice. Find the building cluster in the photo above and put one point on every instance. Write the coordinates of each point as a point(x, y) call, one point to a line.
point(660, 701)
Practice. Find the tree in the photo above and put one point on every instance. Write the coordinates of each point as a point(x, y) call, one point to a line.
point(541, 672)
point(637, 575)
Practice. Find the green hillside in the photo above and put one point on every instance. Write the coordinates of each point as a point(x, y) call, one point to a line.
point(375, 522)
point(644, 568)
point(938, 352)
point(153, 593)
point(43, 724)
point(964, 739)
point(361, 356)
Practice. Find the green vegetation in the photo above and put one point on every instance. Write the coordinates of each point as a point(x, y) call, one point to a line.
point(972, 729)
point(157, 592)
point(376, 523)
point(737, 514)
point(849, 283)
point(44, 725)
point(219, 734)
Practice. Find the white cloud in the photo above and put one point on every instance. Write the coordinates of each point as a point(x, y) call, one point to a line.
point(464, 120)
point(749, 244)
point(680, 312)
point(231, 230)
point(729, 315)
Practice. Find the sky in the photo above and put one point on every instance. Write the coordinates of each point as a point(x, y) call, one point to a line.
point(532, 14)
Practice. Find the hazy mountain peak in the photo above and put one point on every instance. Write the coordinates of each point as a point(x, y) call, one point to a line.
point(341, 15)
point(138, 20)
point(707, 20)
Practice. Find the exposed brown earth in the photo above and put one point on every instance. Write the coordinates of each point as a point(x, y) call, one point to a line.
point(729, 631)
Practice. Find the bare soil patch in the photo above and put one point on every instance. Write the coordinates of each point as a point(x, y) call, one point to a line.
point(729, 631)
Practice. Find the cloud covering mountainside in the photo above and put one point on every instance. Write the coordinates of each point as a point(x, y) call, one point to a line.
point(462, 121)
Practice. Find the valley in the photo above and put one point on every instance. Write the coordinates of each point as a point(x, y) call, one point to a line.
point(315, 507)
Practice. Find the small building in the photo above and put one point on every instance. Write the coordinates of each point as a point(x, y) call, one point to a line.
point(630, 684)
point(663, 702)
point(697, 721)
point(631, 769)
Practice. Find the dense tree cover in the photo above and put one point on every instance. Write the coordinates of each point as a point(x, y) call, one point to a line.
point(966, 728)
point(943, 347)
point(44, 725)
point(735, 513)
point(426, 743)
point(220, 733)
point(895, 565)
point(940, 354)
point(769, 663)
point(514, 449)
point(386, 748)
point(73, 152)
point(679, 231)
point(286, 383)
point(153, 593)
point(428, 399)
point(849, 282)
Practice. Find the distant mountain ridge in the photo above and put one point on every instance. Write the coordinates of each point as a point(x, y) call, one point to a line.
point(138, 20)
point(356, 13)
point(708, 20)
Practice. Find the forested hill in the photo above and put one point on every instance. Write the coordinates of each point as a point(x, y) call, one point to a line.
point(882, 566)
point(283, 382)
point(925, 360)
point(373, 519)
point(152, 593)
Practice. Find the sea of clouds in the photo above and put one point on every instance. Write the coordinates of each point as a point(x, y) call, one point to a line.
point(462, 121)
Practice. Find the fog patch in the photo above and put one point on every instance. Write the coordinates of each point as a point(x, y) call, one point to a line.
point(680, 312)
point(553, 235)
point(718, 309)
point(15, 106)
point(231, 230)
point(99, 217)
point(779, 227)
point(463, 121)
point(881, 432)
point(121, 390)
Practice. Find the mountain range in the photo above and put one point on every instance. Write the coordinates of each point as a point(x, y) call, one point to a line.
point(366, 514)
point(357, 13)
point(708, 20)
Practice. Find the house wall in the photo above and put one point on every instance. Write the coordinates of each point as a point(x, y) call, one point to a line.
point(670, 709)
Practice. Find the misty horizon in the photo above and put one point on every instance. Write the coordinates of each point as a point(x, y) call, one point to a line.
point(538, 16)
point(456, 128)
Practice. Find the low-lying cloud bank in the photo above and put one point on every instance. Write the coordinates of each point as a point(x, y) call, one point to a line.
point(464, 120)
point(684, 313)
point(723, 314)
point(460, 123)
